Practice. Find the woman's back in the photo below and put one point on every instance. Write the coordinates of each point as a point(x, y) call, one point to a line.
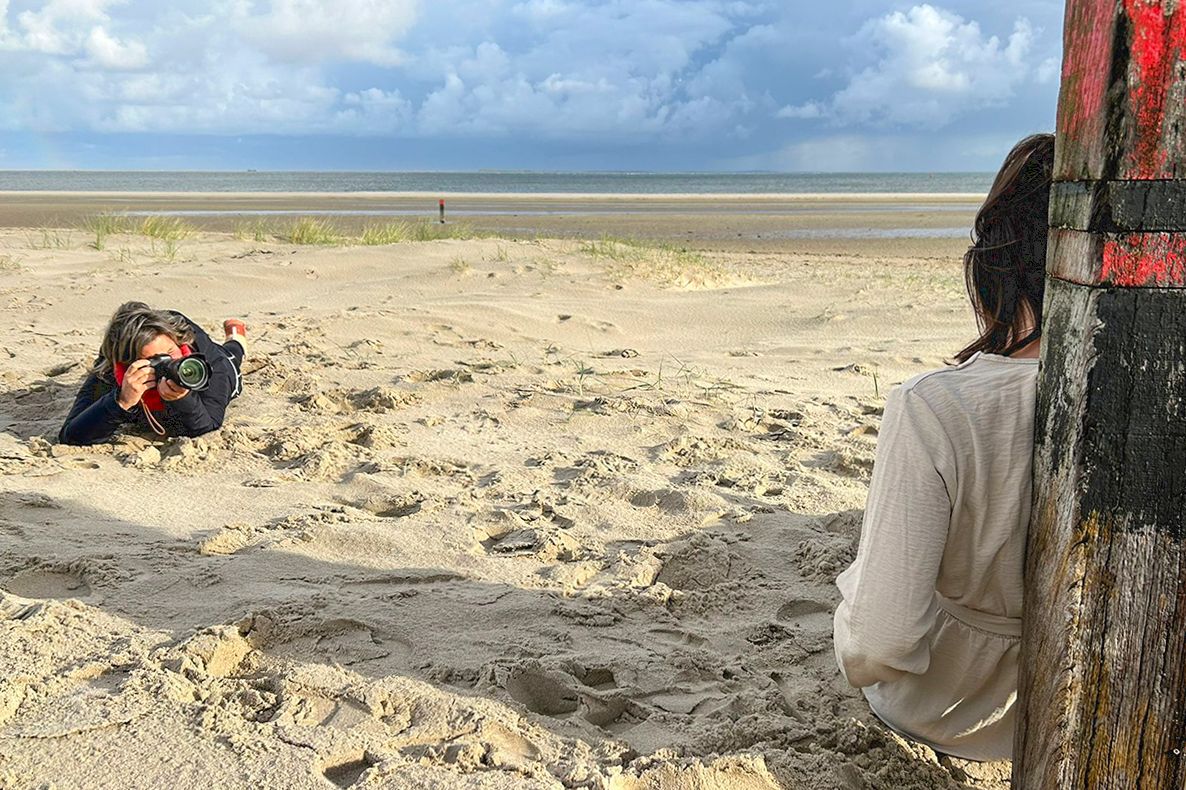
point(930, 622)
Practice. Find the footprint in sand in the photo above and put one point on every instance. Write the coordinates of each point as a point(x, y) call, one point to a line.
point(541, 692)
point(679, 638)
point(310, 709)
point(45, 583)
point(806, 614)
point(399, 506)
point(346, 770)
point(343, 641)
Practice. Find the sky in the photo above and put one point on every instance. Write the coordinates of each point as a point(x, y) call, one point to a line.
point(659, 85)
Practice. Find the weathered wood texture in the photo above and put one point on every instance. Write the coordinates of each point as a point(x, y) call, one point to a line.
point(1118, 259)
point(1122, 109)
point(1103, 686)
point(1103, 666)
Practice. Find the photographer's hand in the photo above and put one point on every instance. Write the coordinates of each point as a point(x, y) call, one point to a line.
point(137, 380)
point(170, 391)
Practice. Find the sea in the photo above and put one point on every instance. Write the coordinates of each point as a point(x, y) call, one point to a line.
point(494, 182)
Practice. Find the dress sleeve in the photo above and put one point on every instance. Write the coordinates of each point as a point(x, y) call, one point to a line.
point(882, 624)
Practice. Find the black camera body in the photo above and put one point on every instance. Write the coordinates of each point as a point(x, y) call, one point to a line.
point(191, 373)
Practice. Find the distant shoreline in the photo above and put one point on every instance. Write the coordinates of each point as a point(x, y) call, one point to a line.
point(907, 224)
point(889, 197)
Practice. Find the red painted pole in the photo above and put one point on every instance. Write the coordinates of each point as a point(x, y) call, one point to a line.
point(442, 211)
point(1102, 685)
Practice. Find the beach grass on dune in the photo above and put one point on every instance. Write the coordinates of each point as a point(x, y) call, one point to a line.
point(307, 230)
point(102, 226)
point(50, 238)
point(389, 233)
point(253, 230)
point(661, 262)
point(157, 227)
point(165, 228)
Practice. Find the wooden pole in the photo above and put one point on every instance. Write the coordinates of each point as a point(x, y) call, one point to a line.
point(1103, 659)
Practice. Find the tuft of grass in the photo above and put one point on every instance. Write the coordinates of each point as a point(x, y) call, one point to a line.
point(307, 230)
point(50, 239)
point(389, 233)
point(612, 248)
point(460, 266)
point(166, 228)
point(102, 226)
point(431, 231)
point(9, 263)
point(165, 250)
point(501, 255)
point(663, 263)
point(583, 372)
point(255, 230)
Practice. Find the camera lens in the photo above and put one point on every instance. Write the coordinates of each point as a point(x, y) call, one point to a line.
point(192, 373)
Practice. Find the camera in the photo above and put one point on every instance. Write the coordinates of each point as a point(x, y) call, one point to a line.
point(192, 372)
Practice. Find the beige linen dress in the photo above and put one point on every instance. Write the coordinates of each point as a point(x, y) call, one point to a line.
point(930, 622)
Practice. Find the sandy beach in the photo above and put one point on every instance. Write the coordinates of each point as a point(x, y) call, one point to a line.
point(903, 225)
point(540, 510)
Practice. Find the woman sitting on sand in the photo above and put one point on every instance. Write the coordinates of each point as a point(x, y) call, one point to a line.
point(930, 623)
point(122, 389)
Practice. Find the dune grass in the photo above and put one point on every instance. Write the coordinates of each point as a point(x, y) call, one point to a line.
point(316, 231)
point(253, 230)
point(432, 231)
point(460, 266)
point(388, 233)
point(50, 238)
point(104, 225)
point(308, 230)
point(164, 228)
point(660, 262)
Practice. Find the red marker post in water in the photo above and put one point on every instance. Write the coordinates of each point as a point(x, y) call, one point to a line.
point(442, 211)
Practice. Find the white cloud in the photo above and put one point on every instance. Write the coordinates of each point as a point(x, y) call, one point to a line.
point(808, 110)
point(933, 66)
point(109, 52)
point(595, 71)
point(58, 28)
point(312, 31)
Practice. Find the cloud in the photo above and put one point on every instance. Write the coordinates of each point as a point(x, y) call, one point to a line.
point(809, 110)
point(59, 27)
point(932, 66)
point(712, 78)
point(108, 52)
point(313, 31)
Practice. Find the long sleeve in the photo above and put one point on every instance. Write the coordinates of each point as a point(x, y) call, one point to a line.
point(95, 415)
point(882, 624)
point(202, 412)
point(191, 416)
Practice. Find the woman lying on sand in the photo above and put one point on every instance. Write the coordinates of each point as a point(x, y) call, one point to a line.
point(123, 389)
point(930, 623)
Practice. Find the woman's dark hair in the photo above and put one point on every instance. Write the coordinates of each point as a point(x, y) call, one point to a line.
point(1005, 268)
point(133, 326)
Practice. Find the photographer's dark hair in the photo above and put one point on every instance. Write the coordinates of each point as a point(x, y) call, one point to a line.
point(133, 326)
point(1005, 267)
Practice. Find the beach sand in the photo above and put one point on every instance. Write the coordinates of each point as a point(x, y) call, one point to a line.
point(489, 514)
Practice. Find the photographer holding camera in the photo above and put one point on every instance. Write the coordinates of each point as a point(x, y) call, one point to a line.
point(156, 368)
